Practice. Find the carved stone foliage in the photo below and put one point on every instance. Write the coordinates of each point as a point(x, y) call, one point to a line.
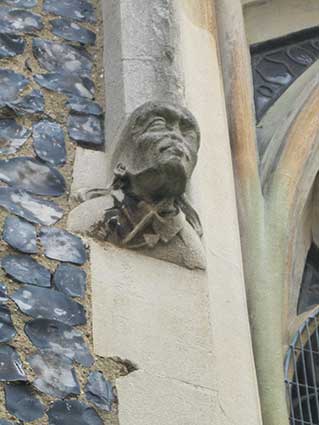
point(153, 163)
point(276, 64)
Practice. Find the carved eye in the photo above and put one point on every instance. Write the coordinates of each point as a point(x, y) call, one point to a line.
point(185, 126)
point(156, 123)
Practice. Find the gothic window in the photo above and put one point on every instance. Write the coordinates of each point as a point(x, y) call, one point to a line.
point(302, 374)
point(309, 292)
point(278, 63)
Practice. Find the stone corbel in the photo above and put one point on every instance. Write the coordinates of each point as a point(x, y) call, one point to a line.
point(145, 206)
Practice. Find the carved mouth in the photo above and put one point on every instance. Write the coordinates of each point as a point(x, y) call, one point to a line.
point(174, 150)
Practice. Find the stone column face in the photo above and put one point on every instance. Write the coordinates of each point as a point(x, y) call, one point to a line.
point(184, 332)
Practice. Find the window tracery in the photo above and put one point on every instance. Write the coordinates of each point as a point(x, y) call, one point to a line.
point(276, 64)
point(302, 373)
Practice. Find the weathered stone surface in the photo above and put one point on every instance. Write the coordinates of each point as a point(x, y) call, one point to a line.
point(72, 31)
point(99, 391)
point(32, 103)
point(135, 300)
point(55, 375)
point(20, 3)
point(49, 304)
point(11, 45)
point(22, 403)
point(86, 129)
point(80, 10)
point(85, 215)
point(68, 84)
point(10, 365)
point(33, 176)
point(61, 245)
point(11, 83)
point(24, 269)
point(18, 21)
point(70, 280)
point(153, 163)
point(51, 335)
point(12, 136)
point(49, 142)
point(72, 412)
point(3, 294)
point(80, 105)
point(7, 329)
point(57, 57)
point(89, 159)
point(20, 234)
point(20, 203)
point(146, 398)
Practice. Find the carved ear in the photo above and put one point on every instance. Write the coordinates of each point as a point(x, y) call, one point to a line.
point(191, 215)
point(120, 176)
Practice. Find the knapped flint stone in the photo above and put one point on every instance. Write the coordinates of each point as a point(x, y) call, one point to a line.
point(24, 269)
point(33, 176)
point(5, 422)
point(55, 375)
point(11, 84)
point(22, 403)
point(7, 329)
point(11, 45)
point(20, 203)
point(68, 84)
point(19, 21)
point(20, 235)
point(51, 335)
point(79, 10)
point(57, 57)
point(99, 391)
point(72, 31)
point(86, 130)
point(80, 105)
point(3, 294)
point(70, 412)
point(49, 142)
point(20, 3)
point(61, 245)
point(49, 304)
point(12, 136)
point(32, 103)
point(70, 280)
point(11, 368)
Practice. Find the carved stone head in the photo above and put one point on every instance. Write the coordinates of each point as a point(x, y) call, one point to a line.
point(157, 152)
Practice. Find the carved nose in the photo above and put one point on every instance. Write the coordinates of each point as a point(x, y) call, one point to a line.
point(175, 136)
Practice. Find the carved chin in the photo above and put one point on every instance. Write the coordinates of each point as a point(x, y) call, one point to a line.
point(165, 180)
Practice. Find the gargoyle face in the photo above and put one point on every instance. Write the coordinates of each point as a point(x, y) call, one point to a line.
point(163, 151)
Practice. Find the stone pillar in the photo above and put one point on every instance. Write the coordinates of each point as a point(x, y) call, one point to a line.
point(258, 237)
point(141, 61)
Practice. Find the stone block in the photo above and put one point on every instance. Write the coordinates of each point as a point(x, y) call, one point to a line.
point(153, 313)
point(90, 170)
point(149, 399)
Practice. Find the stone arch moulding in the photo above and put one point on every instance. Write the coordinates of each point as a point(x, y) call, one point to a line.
point(166, 320)
point(272, 194)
